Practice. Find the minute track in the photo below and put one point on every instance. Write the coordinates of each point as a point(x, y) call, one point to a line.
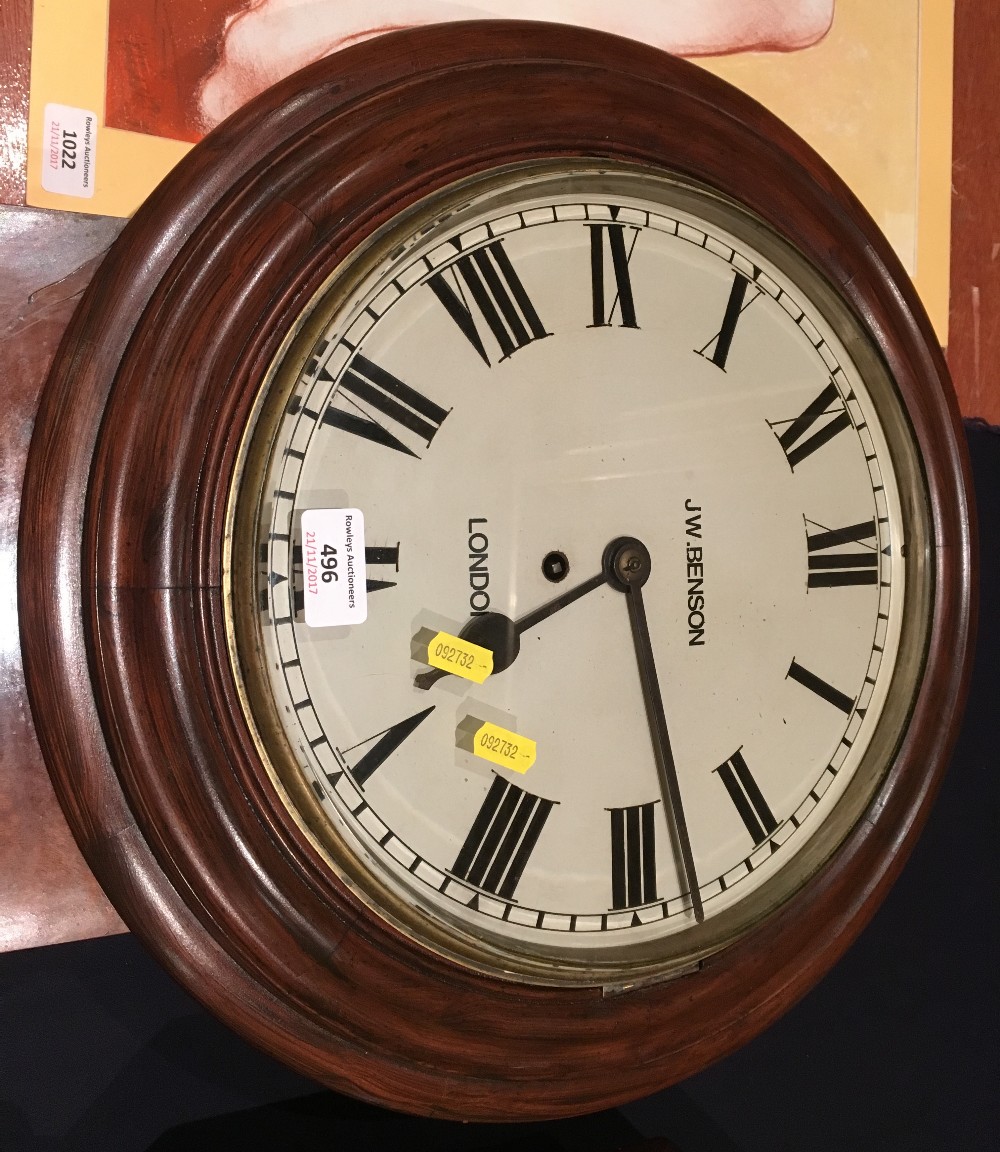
point(473, 440)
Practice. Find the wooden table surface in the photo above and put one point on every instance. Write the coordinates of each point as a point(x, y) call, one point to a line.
point(47, 893)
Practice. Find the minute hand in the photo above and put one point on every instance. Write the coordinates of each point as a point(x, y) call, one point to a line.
point(628, 565)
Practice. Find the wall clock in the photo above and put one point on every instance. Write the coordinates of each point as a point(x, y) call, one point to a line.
point(496, 570)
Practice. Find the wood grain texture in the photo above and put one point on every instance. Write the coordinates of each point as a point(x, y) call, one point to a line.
point(48, 893)
point(15, 76)
point(974, 315)
point(122, 537)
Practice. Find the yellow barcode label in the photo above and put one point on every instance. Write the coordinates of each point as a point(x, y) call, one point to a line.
point(503, 747)
point(459, 657)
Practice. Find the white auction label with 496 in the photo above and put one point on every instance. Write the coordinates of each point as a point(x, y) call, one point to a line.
point(643, 555)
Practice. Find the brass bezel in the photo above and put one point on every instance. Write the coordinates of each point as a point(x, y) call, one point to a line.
point(672, 955)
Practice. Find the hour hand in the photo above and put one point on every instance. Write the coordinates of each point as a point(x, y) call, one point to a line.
point(502, 635)
point(490, 630)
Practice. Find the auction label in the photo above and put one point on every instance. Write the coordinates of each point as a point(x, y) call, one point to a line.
point(333, 567)
point(70, 151)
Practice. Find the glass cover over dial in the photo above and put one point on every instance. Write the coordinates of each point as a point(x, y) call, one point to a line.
point(578, 572)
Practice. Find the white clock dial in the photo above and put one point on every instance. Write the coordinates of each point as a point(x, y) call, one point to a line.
point(516, 377)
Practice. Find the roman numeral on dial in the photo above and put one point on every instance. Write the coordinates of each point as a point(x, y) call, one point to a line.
point(386, 742)
point(829, 568)
point(384, 557)
point(746, 795)
point(502, 306)
point(815, 684)
point(796, 441)
point(741, 295)
point(620, 248)
point(370, 401)
point(502, 838)
point(373, 556)
point(298, 593)
point(266, 579)
point(633, 856)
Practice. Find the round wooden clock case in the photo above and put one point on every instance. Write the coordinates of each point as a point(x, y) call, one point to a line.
point(123, 559)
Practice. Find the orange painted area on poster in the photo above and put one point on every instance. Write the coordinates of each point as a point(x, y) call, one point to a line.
point(158, 55)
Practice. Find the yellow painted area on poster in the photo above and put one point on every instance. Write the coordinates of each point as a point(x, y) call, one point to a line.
point(873, 97)
point(69, 48)
point(931, 273)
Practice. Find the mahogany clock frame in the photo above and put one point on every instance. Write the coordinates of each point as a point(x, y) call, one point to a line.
point(120, 575)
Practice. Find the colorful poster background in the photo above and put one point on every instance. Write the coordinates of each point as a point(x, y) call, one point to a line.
point(873, 96)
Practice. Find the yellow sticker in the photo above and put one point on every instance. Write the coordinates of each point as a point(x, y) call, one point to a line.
point(503, 747)
point(459, 657)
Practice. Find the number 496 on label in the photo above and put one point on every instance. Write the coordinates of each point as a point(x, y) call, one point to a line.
point(333, 567)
